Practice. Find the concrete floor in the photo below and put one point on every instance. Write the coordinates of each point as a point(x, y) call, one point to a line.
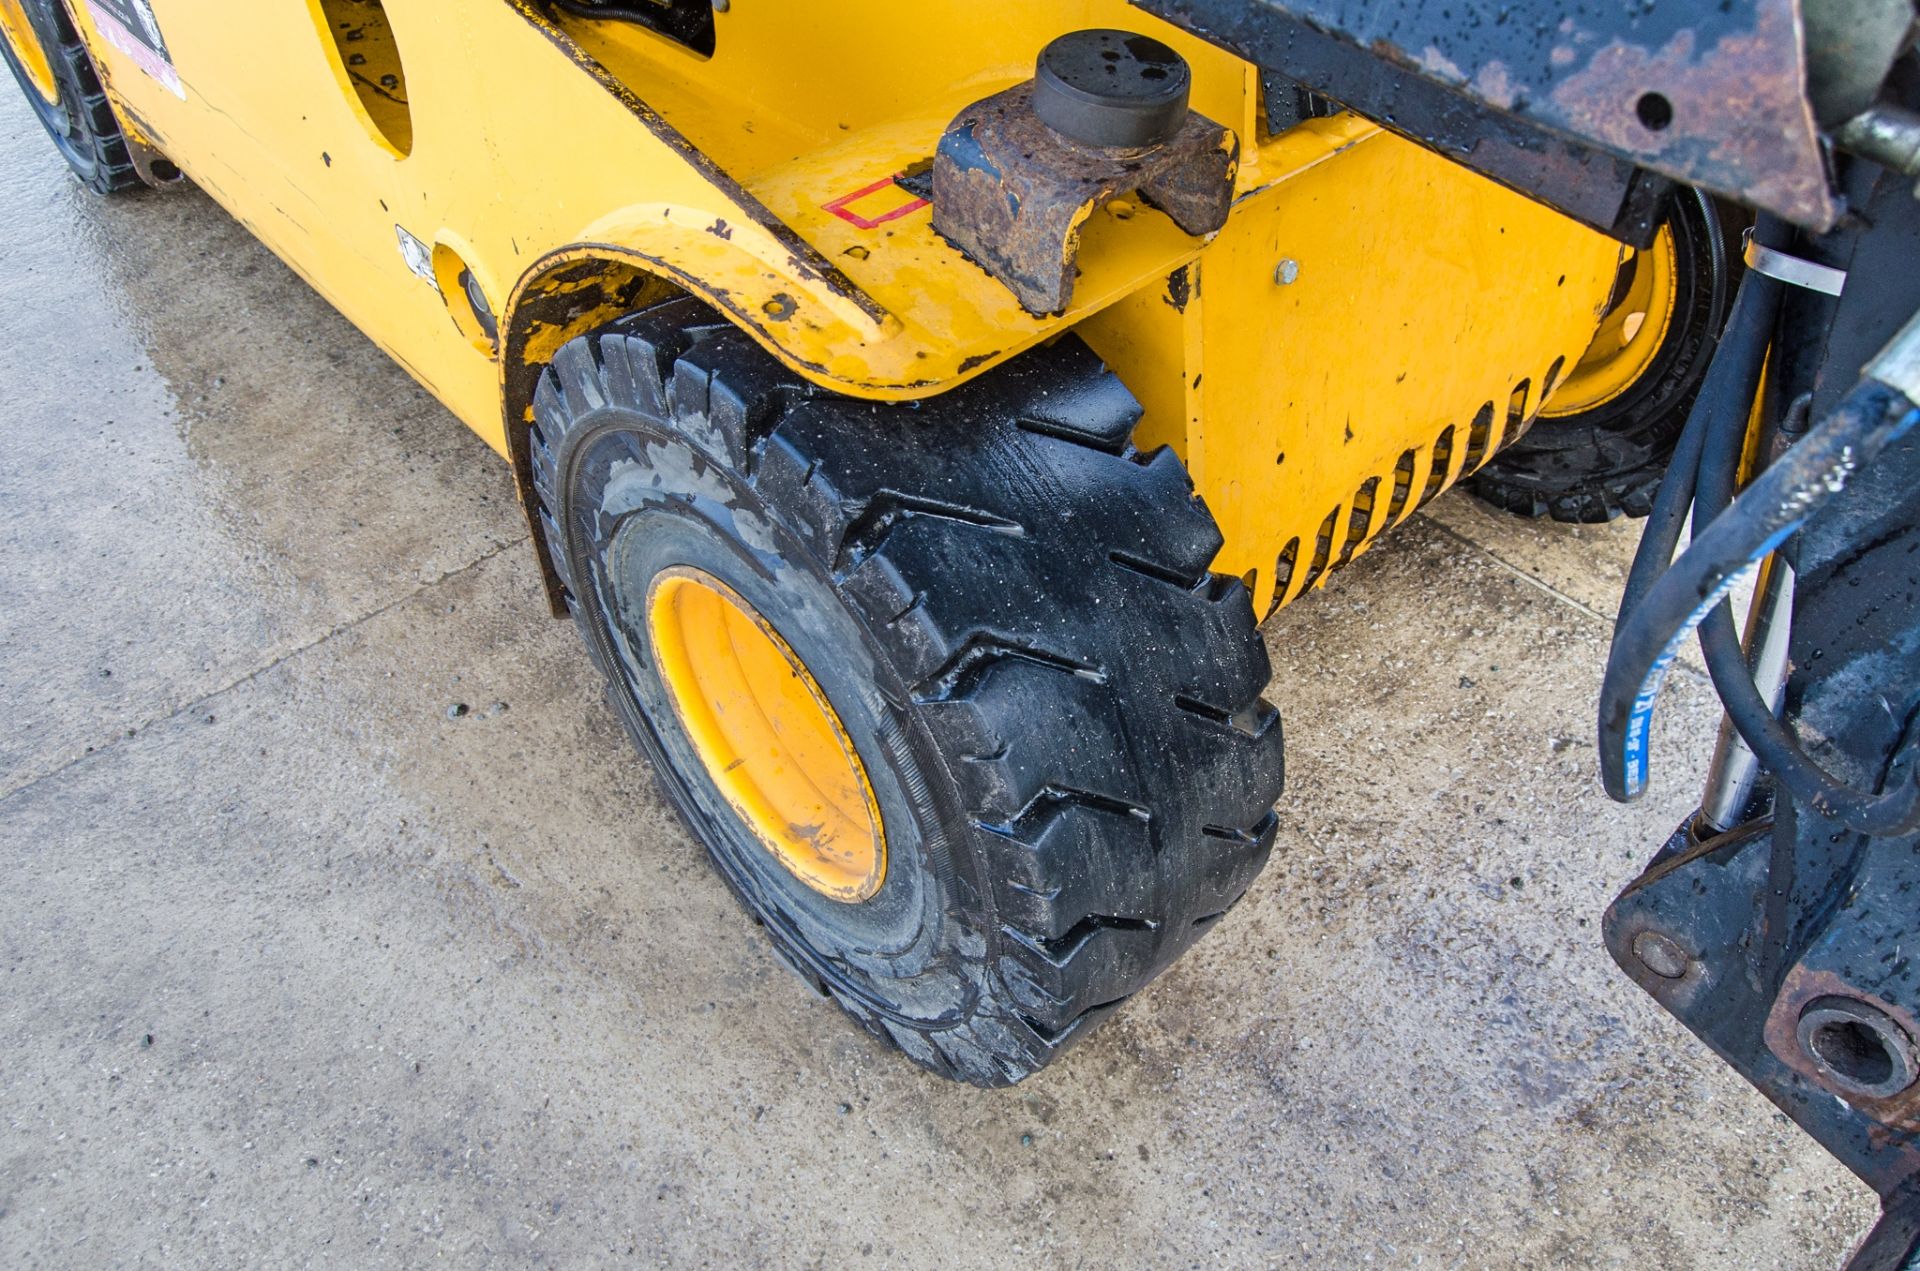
point(297, 968)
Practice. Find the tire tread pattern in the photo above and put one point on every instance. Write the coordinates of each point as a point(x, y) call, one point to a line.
point(89, 136)
point(1043, 588)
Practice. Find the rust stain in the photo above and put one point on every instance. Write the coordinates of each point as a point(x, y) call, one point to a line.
point(1898, 1116)
point(1734, 107)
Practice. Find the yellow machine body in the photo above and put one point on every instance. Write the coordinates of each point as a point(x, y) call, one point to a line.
point(473, 182)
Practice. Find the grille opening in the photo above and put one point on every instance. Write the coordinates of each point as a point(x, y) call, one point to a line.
point(1402, 485)
point(1322, 549)
point(1519, 427)
point(1517, 417)
point(1442, 460)
point(1552, 381)
point(1359, 518)
point(1479, 440)
point(1283, 571)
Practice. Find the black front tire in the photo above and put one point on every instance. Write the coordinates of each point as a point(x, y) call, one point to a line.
point(1010, 610)
point(81, 123)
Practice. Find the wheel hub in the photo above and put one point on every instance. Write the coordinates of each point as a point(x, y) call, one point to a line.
point(1630, 337)
point(24, 43)
point(766, 734)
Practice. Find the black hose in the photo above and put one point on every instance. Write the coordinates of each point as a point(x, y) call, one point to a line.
point(1719, 410)
point(1893, 813)
point(1660, 536)
point(1770, 510)
point(1772, 742)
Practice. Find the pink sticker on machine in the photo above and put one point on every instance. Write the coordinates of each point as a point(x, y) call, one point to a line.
point(129, 25)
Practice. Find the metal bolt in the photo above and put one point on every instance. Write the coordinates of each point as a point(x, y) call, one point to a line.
point(1661, 954)
point(1286, 271)
point(721, 6)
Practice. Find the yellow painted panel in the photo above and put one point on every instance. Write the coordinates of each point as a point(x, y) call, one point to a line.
point(1344, 320)
point(524, 141)
point(761, 179)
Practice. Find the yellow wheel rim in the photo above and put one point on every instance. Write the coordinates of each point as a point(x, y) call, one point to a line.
point(1630, 337)
point(767, 735)
point(25, 44)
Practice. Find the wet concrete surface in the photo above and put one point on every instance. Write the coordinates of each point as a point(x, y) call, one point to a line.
point(298, 968)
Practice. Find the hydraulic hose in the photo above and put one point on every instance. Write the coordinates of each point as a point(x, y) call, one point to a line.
point(1772, 742)
point(1668, 515)
point(1644, 647)
point(1769, 511)
point(1721, 406)
point(1892, 813)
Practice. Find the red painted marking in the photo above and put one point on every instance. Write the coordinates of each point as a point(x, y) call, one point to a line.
point(839, 207)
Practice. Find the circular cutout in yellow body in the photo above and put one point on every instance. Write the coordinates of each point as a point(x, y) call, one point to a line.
point(20, 37)
point(1629, 339)
point(766, 734)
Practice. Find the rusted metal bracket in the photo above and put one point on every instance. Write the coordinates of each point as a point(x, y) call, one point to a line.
point(1012, 193)
point(151, 166)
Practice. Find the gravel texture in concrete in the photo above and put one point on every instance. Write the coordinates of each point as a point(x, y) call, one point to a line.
point(302, 964)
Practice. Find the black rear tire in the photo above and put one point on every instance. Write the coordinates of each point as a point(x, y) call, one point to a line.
point(1010, 609)
point(1607, 461)
point(81, 123)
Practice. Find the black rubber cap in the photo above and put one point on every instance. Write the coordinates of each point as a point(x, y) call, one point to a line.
point(1111, 88)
